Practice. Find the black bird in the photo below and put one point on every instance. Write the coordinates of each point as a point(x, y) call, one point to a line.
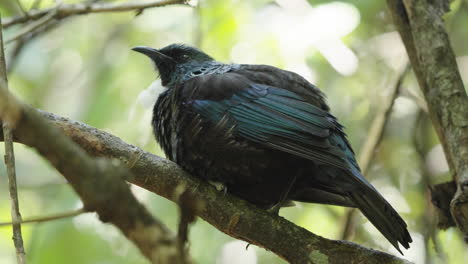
point(266, 134)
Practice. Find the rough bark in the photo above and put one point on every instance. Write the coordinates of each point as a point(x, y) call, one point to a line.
point(422, 29)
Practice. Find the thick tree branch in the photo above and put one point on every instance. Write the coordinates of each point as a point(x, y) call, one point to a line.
point(99, 182)
point(67, 10)
point(227, 213)
point(422, 29)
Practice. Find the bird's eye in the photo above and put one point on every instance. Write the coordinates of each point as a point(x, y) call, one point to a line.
point(185, 56)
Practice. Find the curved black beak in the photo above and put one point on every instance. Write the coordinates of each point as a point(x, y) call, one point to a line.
point(154, 54)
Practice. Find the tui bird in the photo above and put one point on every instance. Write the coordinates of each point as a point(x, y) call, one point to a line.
point(266, 134)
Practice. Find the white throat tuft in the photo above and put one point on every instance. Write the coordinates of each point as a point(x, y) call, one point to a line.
point(147, 98)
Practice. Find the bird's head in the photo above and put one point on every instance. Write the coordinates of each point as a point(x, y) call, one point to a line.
point(173, 59)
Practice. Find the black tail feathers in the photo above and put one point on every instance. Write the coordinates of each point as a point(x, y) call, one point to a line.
point(382, 215)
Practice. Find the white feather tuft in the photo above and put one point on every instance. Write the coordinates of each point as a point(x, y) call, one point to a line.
point(148, 97)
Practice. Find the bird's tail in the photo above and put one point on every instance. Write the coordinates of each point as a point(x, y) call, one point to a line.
point(381, 214)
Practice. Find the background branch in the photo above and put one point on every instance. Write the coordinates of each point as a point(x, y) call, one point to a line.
point(24, 40)
point(47, 218)
point(422, 29)
point(33, 26)
point(66, 10)
point(10, 166)
point(227, 213)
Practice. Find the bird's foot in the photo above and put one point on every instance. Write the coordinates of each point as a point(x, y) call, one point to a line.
point(219, 186)
point(275, 208)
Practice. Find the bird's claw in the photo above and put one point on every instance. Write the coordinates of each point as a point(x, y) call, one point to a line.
point(219, 186)
point(275, 208)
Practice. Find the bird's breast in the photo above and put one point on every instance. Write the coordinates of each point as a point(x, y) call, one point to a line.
point(162, 122)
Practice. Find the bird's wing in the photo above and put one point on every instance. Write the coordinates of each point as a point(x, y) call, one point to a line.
point(285, 120)
point(272, 116)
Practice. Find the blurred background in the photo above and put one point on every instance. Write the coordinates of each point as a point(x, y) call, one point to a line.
point(82, 68)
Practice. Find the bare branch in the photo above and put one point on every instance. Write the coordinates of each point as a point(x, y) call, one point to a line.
point(422, 29)
point(66, 10)
point(33, 26)
point(47, 218)
point(99, 182)
point(10, 166)
point(227, 213)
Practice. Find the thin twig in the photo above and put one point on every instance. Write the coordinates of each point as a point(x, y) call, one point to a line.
point(33, 26)
point(47, 218)
point(10, 166)
point(66, 10)
point(373, 141)
point(44, 185)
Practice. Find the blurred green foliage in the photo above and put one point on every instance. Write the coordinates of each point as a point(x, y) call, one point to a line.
point(83, 68)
